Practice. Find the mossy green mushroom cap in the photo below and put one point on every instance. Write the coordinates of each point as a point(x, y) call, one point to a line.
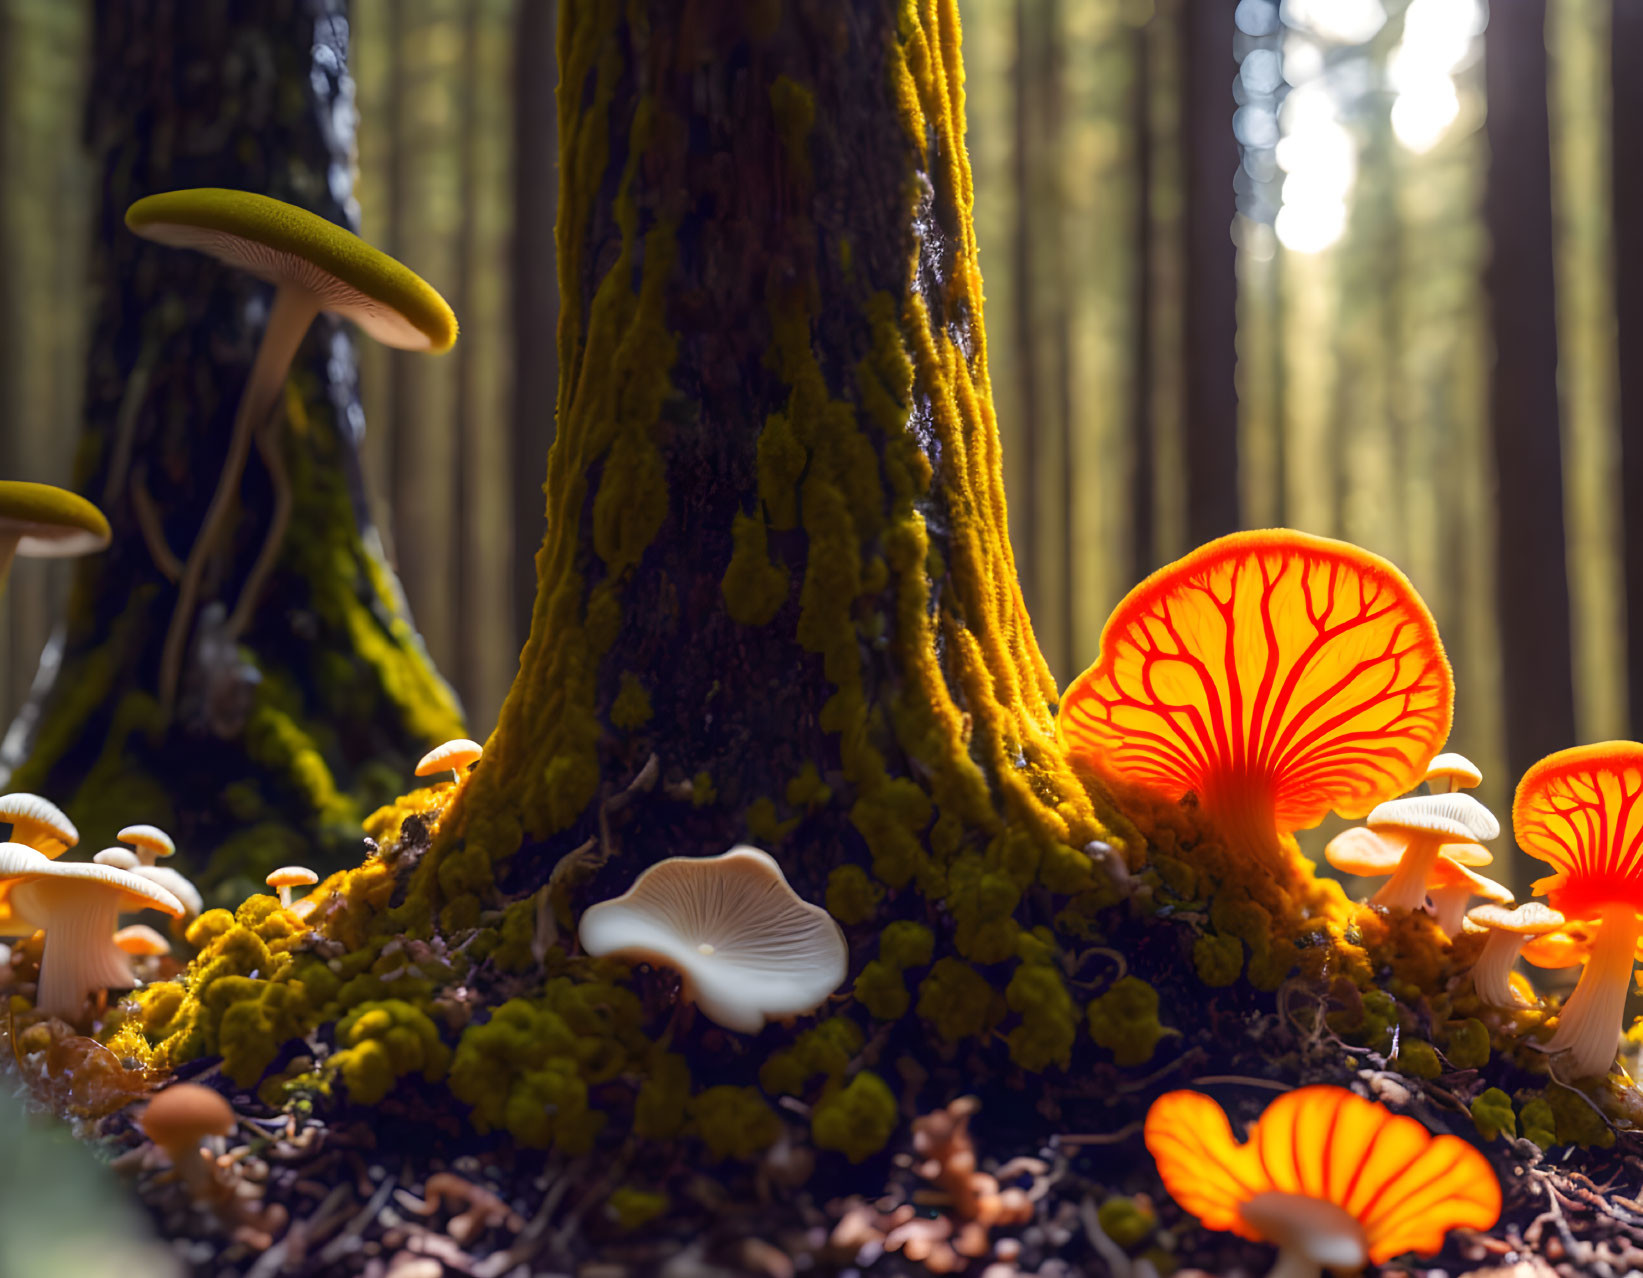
point(283, 244)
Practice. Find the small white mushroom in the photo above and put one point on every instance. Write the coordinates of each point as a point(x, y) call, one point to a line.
point(119, 858)
point(177, 885)
point(458, 756)
point(747, 947)
point(38, 823)
point(1509, 930)
point(150, 841)
point(1425, 824)
point(1450, 772)
point(287, 877)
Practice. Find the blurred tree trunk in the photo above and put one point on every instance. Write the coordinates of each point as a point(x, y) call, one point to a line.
point(1626, 52)
point(535, 287)
point(1209, 159)
point(1143, 541)
point(776, 558)
point(289, 732)
point(1536, 647)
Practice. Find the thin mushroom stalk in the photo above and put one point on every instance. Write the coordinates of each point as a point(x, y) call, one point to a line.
point(293, 311)
point(1406, 888)
point(1492, 973)
point(1589, 1026)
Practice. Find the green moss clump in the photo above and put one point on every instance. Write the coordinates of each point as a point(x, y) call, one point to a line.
point(1539, 1123)
point(824, 1049)
point(1577, 1123)
point(632, 1208)
point(852, 897)
point(1468, 1045)
point(1126, 1221)
point(659, 1110)
point(754, 588)
point(631, 708)
point(958, 1001)
point(1124, 1020)
point(857, 1120)
point(882, 987)
point(383, 1041)
point(1049, 1019)
point(906, 944)
point(1417, 1058)
point(734, 1122)
point(1218, 958)
point(1492, 1114)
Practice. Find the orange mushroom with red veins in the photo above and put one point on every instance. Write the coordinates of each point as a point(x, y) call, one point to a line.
point(1329, 1178)
point(1581, 811)
point(1509, 930)
point(458, 756)
point(1274, 675)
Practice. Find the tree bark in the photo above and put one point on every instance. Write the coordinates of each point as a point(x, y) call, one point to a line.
point(288, 733)
point(1626, 134)
point(776, 555)
point(1210, 159)
point(1536, 647)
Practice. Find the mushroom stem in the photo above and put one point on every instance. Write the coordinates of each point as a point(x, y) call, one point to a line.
point(1292, 1264)
point(1449, 906)
point(293, 311)
point(79, 954)
point(1242, 811)
point(1492, 973)
point(8, 552)
point(285, 896)
point(1406, 888)
point(1589, 1026)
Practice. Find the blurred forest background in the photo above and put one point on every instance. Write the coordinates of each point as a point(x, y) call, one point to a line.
point(1239, 273)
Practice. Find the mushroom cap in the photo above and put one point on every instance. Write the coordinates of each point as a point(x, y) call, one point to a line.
point(183, 1115)
point(119, 858)
point(148, 838)
point(22, 864)
point(1298, 667)
point(34, 817)
point(1447, 872)
point(284, 244)
point(1404, 1187)
point(141, 941)
point(1579, 810)
point(50, 522)
point(1455, 768)
point(176, 884)
point(1455, 817)
point(1532, 918)
point(452, 756)
point(747, 946)
point(1360, 850)
point(291, 876)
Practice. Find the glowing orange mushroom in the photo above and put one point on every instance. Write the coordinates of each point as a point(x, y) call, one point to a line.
point(1328, 1177)
point(1273, 674)
point(1581, 811)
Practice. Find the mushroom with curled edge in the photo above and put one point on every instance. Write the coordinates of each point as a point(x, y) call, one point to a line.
point(1509, 929)
point(39, 521)
point(746, 946)
point(78, 905)
point(1581, 811)
point(1451, 887)
point(38, 823)
point(1331, 1179)
point(1450, 772)
point(314, 266)
point(1427, 827)
point(1275, 675)
point(458, 756)
point(150, 841)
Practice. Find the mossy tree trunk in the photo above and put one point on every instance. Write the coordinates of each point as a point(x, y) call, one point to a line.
point(302, 707)
point(777, 556)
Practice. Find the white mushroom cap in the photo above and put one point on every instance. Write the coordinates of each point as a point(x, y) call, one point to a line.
point(38, 823)
point(291, 876)
point(141, 941)
point(454, 756)
point(175, 884)
point(1300, 1226)
point(119, 858)
point(150, 841)
point(1452, 772)
point(748, 948)
point(78, 904)
point(1532, 918)
point(1454, 817)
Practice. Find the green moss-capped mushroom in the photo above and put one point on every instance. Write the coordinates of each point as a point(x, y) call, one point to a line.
point(314, 266)
point(40, 521)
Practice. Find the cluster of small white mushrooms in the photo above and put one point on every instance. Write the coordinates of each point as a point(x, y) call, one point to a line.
point(1428, 847)
point(746, 946)
point(77, 904)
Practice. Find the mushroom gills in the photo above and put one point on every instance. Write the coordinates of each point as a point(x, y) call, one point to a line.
point(1310, 1234)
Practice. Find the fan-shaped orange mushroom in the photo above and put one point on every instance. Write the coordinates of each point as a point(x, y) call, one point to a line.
point(1581, 811)
point(1328, 1177)
point(1275, 675)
